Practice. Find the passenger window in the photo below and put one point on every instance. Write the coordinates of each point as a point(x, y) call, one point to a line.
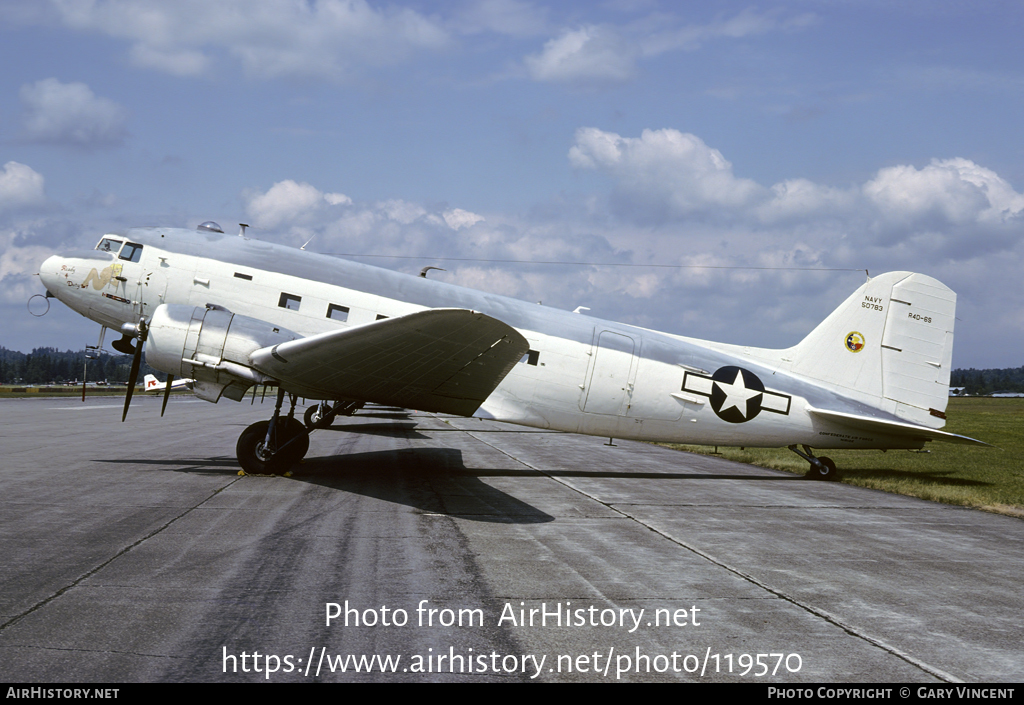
point(108, 244)
point(289, 301)
point(337, 313)
point(131, 252)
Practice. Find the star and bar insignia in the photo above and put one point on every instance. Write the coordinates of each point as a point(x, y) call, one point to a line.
point(736, 394)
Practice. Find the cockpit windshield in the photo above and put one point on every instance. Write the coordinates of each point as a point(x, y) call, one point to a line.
point(109, 244)
point(132, 252)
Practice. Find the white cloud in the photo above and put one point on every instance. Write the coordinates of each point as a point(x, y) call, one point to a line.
point(71, 114)
point(666, 170)
point(402, 211)
point(589, 53)
point(666, 175)
point(610, 53)
point(20, 187)
point(328, 38)
point(800, 198)
point(337, 199)
point(289, 202)
point(456, 218)
point(747, 23)
point(490, 279)
point(956, 190)
point(20, 261)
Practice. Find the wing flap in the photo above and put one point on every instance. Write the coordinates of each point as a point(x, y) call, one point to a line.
point(444, 360)
point(893, 428)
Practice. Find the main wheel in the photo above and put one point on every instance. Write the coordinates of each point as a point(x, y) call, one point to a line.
point(825, 470)
point(314, 419)
point(258, 458)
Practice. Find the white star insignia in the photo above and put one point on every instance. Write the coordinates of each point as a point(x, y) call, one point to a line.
point(736, 394)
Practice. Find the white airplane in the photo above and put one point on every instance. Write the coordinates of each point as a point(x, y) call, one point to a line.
point(152, 384)
point(234, 312)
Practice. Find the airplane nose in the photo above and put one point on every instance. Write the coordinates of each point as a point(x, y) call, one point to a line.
point(49, 273)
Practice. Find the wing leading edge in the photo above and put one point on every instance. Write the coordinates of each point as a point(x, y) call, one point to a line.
point(443, 360)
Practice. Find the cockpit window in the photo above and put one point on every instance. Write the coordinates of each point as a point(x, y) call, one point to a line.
point(131, 252)
point(109, 244)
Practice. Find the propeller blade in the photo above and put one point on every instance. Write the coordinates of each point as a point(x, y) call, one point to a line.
point(133, 375)
point(167, 393)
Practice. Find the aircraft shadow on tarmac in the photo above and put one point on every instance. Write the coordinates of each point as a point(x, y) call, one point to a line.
point(211, 466)
point(389, 430)
point(434, 480)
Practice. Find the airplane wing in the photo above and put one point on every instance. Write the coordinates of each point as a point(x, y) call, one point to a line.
point(444, 360)
point(892, 428)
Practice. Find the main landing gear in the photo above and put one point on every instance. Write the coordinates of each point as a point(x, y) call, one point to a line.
point(821, 468)
point(272, 447)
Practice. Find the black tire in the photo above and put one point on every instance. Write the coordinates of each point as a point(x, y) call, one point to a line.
point(253, 456)
point(826, 471)
point(313, 418)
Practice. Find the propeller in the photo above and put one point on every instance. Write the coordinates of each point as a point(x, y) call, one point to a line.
point(141, 332)
point(167, 393)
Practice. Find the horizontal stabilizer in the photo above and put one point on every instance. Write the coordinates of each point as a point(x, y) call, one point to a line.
point(892, 428)
point(444, 360)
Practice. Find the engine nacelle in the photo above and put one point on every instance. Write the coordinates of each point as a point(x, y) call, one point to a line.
point(212, 346)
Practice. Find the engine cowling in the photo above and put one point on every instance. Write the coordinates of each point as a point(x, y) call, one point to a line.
point(212, 346)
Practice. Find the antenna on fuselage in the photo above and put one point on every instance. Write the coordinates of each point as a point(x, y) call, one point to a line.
point(307, 242)
point(243, 226)
point(423, 272)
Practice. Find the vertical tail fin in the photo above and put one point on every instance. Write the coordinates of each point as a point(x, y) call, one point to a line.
point(892, 339)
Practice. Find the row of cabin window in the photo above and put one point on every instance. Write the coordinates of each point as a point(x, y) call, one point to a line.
point(340, 313)
point(334, 311)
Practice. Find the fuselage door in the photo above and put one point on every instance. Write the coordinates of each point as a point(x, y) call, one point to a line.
point(150, 292)
point(609, 388)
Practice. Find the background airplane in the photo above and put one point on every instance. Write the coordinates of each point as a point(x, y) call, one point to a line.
point(234, 312)
point(152, 384)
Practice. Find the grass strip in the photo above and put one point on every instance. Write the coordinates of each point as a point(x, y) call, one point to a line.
point(986, 478)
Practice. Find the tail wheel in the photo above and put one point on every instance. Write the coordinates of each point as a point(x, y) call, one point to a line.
point(288, 445)
point(825, 469)
point(314, 417)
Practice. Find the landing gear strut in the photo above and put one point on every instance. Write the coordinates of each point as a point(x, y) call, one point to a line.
point(821, 468)
point(322, 415)
point(272, 447)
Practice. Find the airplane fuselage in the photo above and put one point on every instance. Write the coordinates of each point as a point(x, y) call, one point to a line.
point(582, 374)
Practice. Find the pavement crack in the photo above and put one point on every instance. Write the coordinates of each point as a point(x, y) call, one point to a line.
point(818, 612)
point(120, 652)
point(74, 583)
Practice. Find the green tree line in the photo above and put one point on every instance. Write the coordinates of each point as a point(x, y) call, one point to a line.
point(51, 366)
point(984, 382)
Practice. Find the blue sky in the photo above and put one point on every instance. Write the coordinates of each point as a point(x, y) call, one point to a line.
point(836, 136)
